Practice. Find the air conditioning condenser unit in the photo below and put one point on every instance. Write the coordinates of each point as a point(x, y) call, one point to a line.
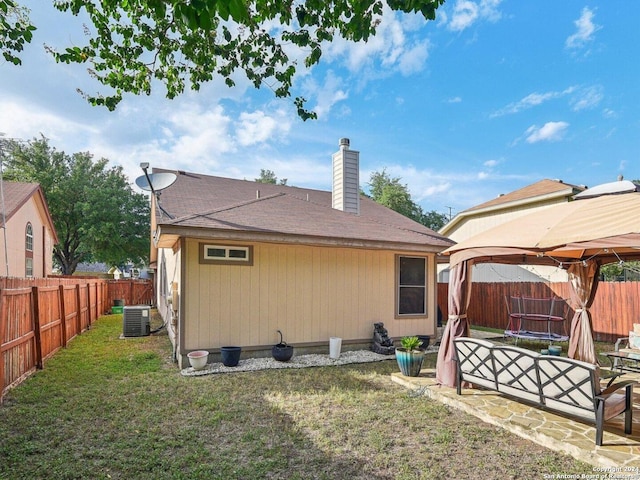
point(135, 321)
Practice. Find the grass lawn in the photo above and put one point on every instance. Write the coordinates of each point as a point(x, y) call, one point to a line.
point(109, 408)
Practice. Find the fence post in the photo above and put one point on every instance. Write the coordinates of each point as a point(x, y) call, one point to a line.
point(63, 315)
point(101, 308)
point(78, 309)
point(89, 311)
point(35, 321)
point(97, 296)
point(3, 320)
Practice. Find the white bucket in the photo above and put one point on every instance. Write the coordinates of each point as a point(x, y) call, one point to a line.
point(335, 344)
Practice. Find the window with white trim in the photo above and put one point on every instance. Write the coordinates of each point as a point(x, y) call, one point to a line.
point(226, 254)
point(28, 250)
point(29, 238)
point(28, 270)
point(411, 284)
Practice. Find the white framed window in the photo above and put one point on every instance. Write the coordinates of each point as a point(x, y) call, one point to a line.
point(226, 254)
point(28, 250)
point(29, 238)
point(411, 286)
point(28, 268)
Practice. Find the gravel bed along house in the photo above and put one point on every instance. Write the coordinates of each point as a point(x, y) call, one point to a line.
point(298, 361)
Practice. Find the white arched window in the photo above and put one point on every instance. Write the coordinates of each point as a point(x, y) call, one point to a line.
point(28, 246)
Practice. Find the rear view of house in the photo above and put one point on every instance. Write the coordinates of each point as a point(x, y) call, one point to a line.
point(28, 234)
point(238, 260)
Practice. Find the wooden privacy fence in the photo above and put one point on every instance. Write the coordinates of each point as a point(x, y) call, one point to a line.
point(615, 309)
point(39, 316)
point(131, 291)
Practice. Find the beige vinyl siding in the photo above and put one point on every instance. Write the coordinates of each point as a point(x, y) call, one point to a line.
point(310, 293)
point(481, 221)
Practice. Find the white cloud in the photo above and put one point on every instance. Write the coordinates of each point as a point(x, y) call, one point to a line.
point(259, 127)
point(549, 132)
point(585, 30)
point(435, 189)
point(467, 12)
point(201, 133)
point(398, 46)
point(491, 163)
point(531, 100)
point(22, 120)
point(454, 100)
point(489, 10)
point(412, 59)
point(489, 172)
point(327, 94)
point(581, 98)
point(587, 98)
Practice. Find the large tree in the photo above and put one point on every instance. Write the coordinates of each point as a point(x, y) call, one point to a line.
point(133, 44)
point(96, 213)
point(391, 193)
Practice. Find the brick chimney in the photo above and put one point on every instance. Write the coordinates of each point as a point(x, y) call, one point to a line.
point(346, 179)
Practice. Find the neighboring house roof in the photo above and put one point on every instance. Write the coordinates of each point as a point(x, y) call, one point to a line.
point(94, 267)
point(544, 190)
point(16, 194)
point(215, 207)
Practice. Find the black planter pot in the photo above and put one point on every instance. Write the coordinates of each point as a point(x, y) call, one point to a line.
point(425, 341)
point(230, 356)
point(281, 351)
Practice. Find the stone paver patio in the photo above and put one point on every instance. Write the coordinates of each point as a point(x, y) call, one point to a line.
point(619, 451)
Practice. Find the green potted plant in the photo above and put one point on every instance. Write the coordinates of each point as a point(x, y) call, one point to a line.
point(409, 356)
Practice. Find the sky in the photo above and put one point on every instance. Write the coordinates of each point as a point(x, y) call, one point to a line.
point(491, 96)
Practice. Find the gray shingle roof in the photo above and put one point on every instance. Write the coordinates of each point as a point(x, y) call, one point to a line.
point(16, 194)
point(223, 204)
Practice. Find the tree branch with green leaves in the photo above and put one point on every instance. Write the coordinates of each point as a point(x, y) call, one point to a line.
point(15, 30)
point(134, 44)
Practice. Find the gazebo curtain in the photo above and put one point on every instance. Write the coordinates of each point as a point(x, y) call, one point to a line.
point(583, 282)
point(457, 325)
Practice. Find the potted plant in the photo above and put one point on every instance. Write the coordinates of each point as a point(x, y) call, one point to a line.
point(409, 356)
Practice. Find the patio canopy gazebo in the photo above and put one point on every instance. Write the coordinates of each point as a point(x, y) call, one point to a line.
point(601, 225)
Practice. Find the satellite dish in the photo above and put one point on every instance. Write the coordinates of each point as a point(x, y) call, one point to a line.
point(154, 182)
